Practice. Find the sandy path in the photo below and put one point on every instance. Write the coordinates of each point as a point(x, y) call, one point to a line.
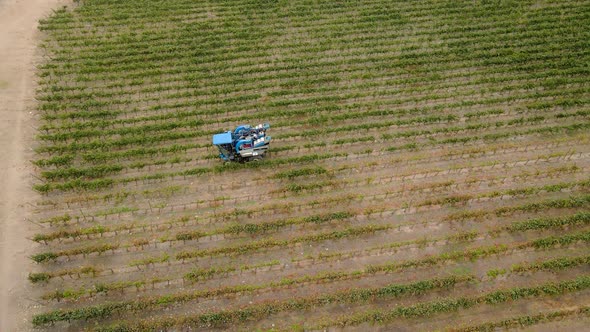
point(18, 40)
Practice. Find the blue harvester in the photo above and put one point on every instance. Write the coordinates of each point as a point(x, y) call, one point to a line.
point(245, 143)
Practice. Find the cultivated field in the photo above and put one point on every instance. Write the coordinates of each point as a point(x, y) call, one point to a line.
point(429, 166)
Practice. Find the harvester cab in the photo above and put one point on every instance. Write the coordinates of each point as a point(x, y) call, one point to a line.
point(245, 143)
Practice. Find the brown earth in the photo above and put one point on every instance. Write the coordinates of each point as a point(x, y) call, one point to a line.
point(18, 54)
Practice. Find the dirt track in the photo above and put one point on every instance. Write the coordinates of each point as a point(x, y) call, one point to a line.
point(18, 40)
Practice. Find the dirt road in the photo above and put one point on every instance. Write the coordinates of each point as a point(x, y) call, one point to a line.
point(18, 40)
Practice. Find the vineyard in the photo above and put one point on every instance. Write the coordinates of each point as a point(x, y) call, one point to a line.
point(429, 169)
